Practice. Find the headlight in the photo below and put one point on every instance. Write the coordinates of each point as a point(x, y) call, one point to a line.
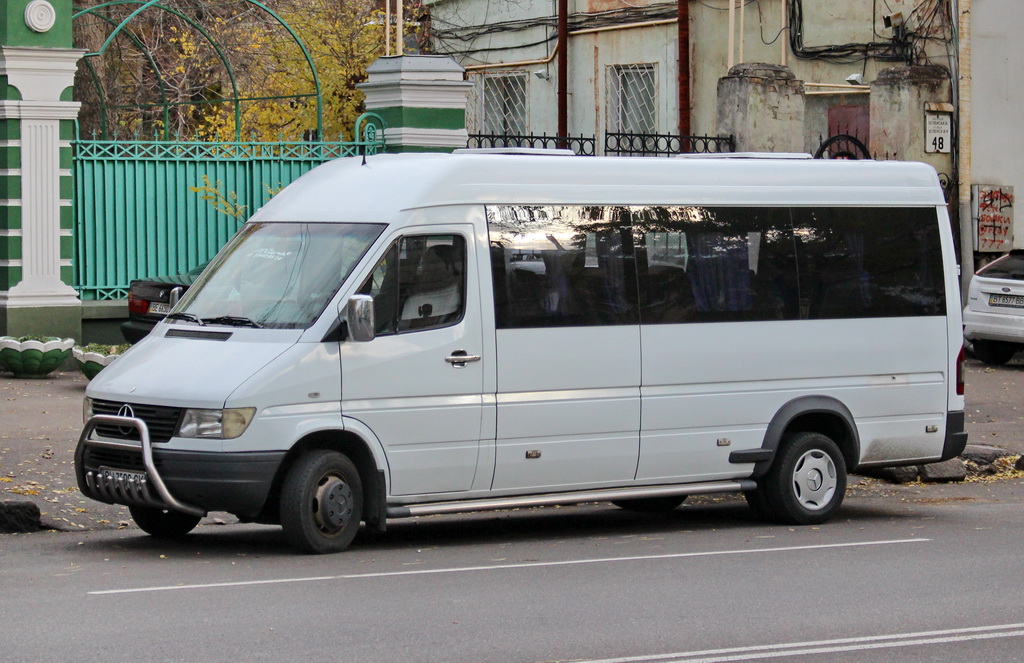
point(216, 424)
point(86, 410)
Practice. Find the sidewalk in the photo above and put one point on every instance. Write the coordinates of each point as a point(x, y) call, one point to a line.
point(40, 421)
point(39, 425)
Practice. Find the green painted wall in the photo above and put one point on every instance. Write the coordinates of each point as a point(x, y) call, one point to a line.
point(10, 129)
point(10, 217)
point(9, 277)
point(10, 247)
point(7, 91)
point(423, 118)
point(14, 31)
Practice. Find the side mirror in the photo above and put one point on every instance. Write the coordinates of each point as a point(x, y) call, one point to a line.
point(360, 319)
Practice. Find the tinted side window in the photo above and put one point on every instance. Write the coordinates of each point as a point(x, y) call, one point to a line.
point(869, 262)
point(714, 264)
point(561, 266)
point(419, 284)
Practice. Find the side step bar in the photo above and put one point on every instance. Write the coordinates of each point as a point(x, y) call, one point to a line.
point(550, 499)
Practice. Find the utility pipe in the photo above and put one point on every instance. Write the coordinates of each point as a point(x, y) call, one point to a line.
point(554, 51)
point(836, 91)
point(732, 31)
point(624, 26)
point(518, 63)
point(683, 66)
point(399, 28)
point(783, 27)
point(387, 28)
point(563, 71)
point(964, 147)
point(743, 21)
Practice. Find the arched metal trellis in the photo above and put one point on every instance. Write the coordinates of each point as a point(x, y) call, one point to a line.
point(237, 99)
point(842, 146)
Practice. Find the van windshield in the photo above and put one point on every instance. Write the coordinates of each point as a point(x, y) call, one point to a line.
point(276, 275)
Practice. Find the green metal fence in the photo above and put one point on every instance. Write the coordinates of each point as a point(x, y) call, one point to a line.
point(140, 210)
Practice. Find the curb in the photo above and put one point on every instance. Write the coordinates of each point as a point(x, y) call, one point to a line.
point(18, 517)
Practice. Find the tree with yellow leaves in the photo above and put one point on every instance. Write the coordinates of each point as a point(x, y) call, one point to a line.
point(341, 38)
point(199, 67)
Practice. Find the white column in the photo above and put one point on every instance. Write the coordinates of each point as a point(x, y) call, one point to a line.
point(41, 76)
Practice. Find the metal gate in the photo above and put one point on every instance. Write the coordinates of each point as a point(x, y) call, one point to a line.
point(146, 208)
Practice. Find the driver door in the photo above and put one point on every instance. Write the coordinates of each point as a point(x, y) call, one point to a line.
point(406, 384)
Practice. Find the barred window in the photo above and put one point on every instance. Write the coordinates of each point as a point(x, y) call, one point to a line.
point(632, 99)
point(498, 105)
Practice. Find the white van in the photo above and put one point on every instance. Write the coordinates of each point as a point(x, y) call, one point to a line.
point(436, 333)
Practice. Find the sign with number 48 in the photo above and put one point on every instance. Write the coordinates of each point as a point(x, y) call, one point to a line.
point(938, 132)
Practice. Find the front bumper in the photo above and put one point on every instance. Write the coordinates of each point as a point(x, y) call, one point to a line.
point(136, 330)
point(136, 474)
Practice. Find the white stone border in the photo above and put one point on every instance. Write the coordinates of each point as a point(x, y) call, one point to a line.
point(410, 136)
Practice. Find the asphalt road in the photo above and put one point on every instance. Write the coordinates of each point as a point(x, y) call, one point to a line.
point(894, 578)
point(908, 573)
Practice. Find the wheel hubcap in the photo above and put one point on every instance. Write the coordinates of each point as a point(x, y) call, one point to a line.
point(814, 480)
point(332, 504)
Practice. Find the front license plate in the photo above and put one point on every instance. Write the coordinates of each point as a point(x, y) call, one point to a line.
point(1013, 301)
point(159, 308)
point(123, 476)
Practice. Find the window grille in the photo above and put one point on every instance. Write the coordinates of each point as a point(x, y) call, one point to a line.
point(497, 104)
point(632, 99)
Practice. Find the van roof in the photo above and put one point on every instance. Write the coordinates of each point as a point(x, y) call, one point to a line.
point(351, 189)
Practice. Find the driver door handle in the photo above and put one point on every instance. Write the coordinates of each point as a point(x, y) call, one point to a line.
point(459, 358)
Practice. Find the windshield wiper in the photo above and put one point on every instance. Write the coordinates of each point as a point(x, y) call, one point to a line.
point(183, 316)
point(232, 321)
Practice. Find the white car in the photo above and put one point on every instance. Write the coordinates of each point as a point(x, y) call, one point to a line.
point(994, 315)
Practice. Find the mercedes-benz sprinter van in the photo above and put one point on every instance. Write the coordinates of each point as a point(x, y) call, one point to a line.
point(434, 333)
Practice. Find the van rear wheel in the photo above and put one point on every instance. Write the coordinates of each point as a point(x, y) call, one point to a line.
point(651, 504)
point(806, 483)
point(163, 523)
point(321, 502)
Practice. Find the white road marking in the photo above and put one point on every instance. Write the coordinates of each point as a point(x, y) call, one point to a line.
point(827, 646)
point(498, 567)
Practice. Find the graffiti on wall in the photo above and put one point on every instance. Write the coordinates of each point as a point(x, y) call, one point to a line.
point(993, 217)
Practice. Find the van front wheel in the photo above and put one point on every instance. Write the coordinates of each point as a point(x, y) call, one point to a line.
point(321, 502)
point(805, 484)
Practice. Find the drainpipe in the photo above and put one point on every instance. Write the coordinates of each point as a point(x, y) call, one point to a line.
point(563, 71)
point(683, 20)
point(964, 148)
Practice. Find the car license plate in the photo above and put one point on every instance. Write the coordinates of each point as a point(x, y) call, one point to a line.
point(123, 476)
point(159, 308)
point(1013, 301)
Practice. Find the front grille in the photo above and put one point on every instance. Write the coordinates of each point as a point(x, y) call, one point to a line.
point(161, 421)
point(121, 459)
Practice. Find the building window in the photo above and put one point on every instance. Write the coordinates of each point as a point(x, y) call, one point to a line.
point(632, 99)
point(498, 105)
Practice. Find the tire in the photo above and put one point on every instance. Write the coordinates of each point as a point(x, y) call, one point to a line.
point(806, 483)
point(321, 502)
point(651, 504)
point(994, 353)
point(163, 523)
